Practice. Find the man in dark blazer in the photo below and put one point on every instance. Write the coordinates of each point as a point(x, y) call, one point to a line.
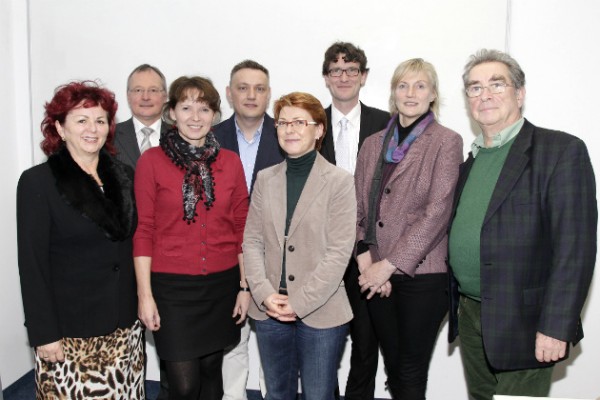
point(522, 241)
point(146, 95)
point(345, 72)
point(250, 132)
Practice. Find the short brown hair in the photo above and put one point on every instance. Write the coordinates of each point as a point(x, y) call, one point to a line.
point(306, 102)
point(351, 53)
point(249, 64)
point(181, 88)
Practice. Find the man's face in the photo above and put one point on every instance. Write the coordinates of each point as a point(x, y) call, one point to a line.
point(146, 96)
point(345, 88)
point(494, 112)
point(249, 93)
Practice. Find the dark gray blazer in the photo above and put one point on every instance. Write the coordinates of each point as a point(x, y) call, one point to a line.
point(269, 153)
point(371, 120)
point(538, 247)
point(128, 150)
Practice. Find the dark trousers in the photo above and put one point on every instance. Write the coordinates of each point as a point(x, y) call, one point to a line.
point(407, 325)
point(365, 347)
point(483, 381)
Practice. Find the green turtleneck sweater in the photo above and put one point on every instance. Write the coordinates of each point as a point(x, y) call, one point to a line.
point(296, 176)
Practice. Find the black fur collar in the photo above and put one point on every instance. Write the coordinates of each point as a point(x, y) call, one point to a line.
point(114, 210)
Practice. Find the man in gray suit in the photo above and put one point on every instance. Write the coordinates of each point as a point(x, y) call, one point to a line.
point(146, 95)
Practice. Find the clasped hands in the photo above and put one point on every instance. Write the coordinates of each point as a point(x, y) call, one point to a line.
point(374, 277)
point(278, 307)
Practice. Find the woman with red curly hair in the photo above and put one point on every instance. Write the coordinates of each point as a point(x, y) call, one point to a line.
point(75, 221)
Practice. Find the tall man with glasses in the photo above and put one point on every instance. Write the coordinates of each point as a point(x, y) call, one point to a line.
point(522, 243)
point(146, 94)
point(250, 132)
point(349, 123)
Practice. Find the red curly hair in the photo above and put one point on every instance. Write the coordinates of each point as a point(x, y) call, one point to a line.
point(75, 95)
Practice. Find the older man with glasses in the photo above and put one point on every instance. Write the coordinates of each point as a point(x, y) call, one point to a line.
point(522, 244)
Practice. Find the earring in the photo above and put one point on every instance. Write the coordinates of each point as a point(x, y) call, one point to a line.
point(63, 139)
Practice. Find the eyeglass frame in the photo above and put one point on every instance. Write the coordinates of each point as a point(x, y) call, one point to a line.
point(295, 123)
point(153, 91)
point(342, 70)
point(500, 87)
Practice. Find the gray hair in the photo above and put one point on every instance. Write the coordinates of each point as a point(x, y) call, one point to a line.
point(516, 74)
point(148, 67)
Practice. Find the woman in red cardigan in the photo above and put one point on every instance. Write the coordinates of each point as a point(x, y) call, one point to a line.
point(192, 204)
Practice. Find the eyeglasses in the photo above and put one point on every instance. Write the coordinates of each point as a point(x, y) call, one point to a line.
point(297, 124)
point(337, 72)
point(494, 88)
point(151, 91)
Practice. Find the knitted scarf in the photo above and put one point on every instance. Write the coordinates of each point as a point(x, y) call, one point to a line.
point(391, 152)
point(196, 161)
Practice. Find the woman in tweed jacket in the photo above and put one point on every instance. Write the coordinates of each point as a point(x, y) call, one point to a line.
point(405, 178)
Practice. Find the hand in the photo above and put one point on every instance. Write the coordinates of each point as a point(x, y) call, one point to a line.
point(242, 303)
point(148, 313)
point(51, 352)
point(364, 261)
point(278, 307)
point(385, 290)
point(375, 276)
point(549, 349)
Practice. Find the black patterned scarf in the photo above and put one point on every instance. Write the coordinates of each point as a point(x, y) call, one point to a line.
point(196, 161)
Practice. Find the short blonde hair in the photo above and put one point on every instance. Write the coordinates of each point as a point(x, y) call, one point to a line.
point(416, 65)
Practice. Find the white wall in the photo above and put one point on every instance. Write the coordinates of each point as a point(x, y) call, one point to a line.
point(81, 39)
point(16, 154)
point(561, 61)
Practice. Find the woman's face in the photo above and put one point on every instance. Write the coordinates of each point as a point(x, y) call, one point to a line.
point(413, 95)
point(296, 141)
point(193, 118)
point(84, 131)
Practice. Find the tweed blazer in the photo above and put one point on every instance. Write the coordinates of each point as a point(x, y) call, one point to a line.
point(269, 153)
point(317, 248)
point(417, 200)
point(538, 247)
point(128, 150)
point(371, 120)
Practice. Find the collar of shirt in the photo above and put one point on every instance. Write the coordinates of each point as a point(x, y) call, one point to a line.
point(255, 137)
point(154, 137)
point(500, 139)
point(248, 150)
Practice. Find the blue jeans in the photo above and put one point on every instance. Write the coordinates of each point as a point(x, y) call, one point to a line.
point(289, 348)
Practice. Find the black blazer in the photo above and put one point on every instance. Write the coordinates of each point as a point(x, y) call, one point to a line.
point(371, 120)
point(538, 246)
point(128, 150)
point(269, 153)
point(75, 249)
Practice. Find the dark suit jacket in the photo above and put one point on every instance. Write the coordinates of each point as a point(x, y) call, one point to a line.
point(371, 120)
point(75, 280)
point(128, 150)
point(538, 247)
point(269, 153)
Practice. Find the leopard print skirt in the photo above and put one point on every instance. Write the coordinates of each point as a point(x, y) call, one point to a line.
point(103, 367)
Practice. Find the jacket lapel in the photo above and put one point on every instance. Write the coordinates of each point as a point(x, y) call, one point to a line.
point(315, 183)
point(515, 164)
point(276, 192)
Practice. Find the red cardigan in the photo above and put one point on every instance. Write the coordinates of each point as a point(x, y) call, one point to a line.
point(212, 243)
